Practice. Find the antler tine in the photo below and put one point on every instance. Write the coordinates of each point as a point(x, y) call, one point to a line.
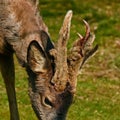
point(80, 36)
point(87, 34)
point(61, 69)
point(65, 29)
point(88, 54)
point(82, 40)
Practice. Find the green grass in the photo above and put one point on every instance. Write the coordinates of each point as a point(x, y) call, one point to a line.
point(98, 89)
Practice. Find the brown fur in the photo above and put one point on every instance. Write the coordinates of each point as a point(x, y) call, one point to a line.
point(19, 25)
point(16, 26)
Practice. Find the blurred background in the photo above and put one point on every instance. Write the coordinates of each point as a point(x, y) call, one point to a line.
point(98, 89)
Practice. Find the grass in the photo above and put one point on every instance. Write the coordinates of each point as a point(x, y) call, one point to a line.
point(98, 89)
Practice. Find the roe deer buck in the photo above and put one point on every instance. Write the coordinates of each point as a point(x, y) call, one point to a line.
point(52, 73)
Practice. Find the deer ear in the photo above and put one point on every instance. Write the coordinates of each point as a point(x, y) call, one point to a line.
point(36, 58)
point(47, 44)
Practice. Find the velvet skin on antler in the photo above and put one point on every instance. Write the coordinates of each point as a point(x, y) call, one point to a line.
point(67, 66)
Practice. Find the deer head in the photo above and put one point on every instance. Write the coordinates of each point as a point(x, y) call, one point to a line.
point(53, 72)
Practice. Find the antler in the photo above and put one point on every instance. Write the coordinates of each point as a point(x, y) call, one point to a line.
point(67, 67)
point(60, 78)
point(80, 52)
